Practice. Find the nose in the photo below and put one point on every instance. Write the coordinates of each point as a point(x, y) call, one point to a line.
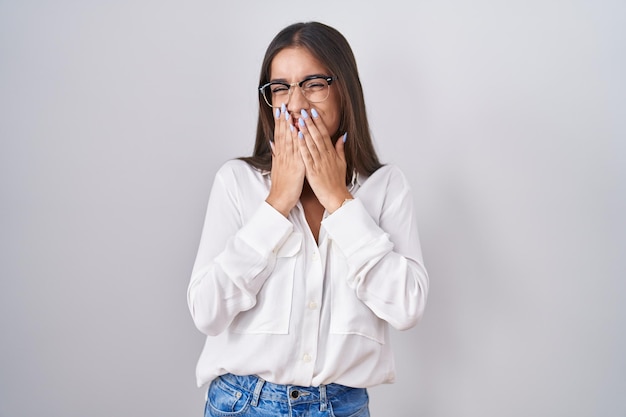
point(297, 101)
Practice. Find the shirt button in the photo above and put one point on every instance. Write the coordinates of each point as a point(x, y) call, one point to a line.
point(316, 256)
point(306, 358)
point(312, 305)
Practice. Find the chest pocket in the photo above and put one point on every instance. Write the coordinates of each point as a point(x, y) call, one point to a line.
point(272, 311)
point(349, 315)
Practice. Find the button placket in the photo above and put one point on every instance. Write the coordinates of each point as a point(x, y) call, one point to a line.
point(311, 296)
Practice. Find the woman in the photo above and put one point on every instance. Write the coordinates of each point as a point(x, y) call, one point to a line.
point(309, 249)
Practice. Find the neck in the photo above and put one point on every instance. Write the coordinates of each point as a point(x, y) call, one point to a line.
point(307, 192)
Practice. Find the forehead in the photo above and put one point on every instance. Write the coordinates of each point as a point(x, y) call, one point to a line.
point(294, 64)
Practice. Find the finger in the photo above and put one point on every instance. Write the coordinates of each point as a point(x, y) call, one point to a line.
point(280, 120)
point(321, 127)
point(276, 112)
point(293, 135)
point(289, 142)
point(305, 152)
point(305, 137)
point(340, 146)
point(288, 133)
point(316, 135)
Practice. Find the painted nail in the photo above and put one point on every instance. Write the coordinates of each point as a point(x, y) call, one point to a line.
point(277, 113)
point(314, 113)
point(345, 136)
point(283, 108)
point(287, 116)
point(304, 114)
point(292, 128)
point(300, 135)
point(301, 122)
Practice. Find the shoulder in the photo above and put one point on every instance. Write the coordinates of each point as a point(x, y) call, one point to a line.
point(236, 169)
point(386, 190)
point(387, 176)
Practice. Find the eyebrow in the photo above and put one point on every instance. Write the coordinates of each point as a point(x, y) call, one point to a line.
point(308, 77)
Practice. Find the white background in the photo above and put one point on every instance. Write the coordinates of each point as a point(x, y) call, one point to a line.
point(508, 118)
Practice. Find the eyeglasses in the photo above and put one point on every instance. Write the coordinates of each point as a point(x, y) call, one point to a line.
point(315, 89)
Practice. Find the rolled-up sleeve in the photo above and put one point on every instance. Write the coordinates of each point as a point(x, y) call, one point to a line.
point(385, 266)
point(234, 258)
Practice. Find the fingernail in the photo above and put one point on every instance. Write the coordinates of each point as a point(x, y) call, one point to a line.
point(300, 135)
point(301, 122)
point(283, 108)
point(277, 113)
point(287, 115)
point(291, 127)
point(345, 136)
point(314, 113)
point(304, 113)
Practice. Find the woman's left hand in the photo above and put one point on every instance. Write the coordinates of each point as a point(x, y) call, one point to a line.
point(325, 164)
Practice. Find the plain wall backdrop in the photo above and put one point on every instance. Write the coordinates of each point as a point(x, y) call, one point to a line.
point(507, 117)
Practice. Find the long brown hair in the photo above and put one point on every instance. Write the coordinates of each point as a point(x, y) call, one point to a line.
point(331, 48)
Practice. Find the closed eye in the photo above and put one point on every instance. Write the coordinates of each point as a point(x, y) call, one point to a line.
point(279, 88)
point(314, 84)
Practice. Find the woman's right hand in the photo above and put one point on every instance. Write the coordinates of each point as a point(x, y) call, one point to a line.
point(287, 165)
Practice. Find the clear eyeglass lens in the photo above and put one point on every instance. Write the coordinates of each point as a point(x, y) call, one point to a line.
point(316, 90)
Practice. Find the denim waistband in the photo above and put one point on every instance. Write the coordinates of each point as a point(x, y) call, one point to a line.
point(293, 394)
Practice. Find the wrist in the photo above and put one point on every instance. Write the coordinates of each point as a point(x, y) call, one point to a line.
point(339, 202)
point(281, 206)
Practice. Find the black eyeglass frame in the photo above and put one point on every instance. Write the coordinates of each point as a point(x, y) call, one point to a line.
point(328, 79)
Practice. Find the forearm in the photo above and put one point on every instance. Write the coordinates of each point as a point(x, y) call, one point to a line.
point(384, 266)
point(226, 282)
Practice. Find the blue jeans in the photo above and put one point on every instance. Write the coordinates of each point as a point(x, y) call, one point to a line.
point(250, 396)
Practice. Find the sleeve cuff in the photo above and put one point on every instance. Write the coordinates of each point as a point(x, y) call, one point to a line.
point(352, 227)
point(267, 230)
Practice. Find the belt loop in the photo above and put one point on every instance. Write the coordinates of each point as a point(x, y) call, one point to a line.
point(323, 400)
point(257, 391)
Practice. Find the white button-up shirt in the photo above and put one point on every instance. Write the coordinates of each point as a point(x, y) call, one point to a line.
point(276, 304)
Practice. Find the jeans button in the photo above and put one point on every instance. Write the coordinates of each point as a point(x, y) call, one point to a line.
point(294, 394)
